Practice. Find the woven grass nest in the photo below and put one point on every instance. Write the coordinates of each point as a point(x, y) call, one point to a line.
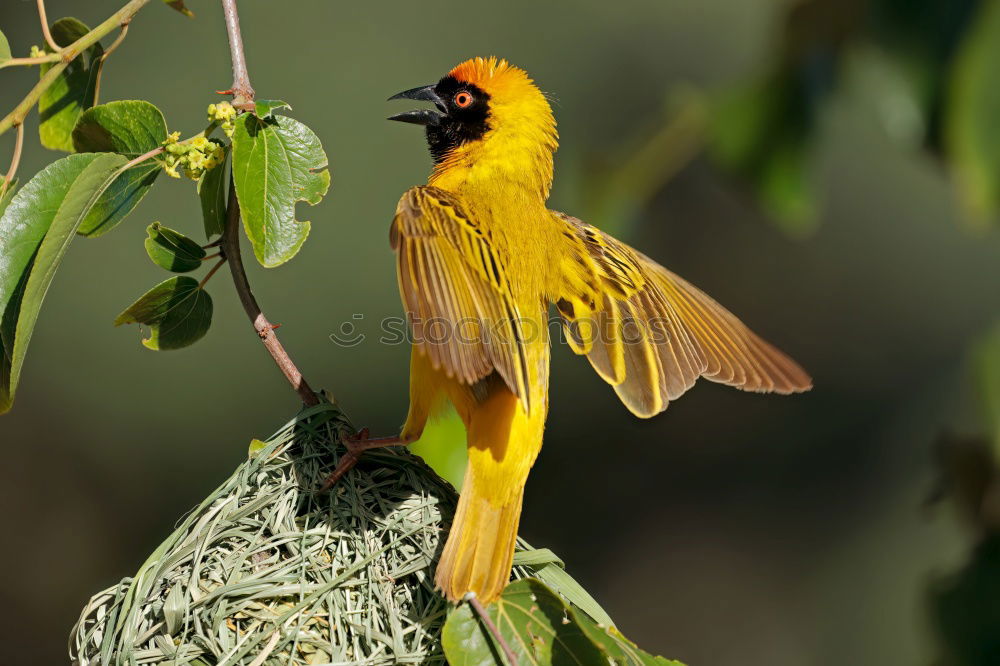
point(268, 571)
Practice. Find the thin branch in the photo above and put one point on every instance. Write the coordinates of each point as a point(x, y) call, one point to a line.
point(243, 96)
point(480, 610)
point(142, 158)
point(242, 91)
point(157, 151)
point(104, 56)
point(45, 28)
point(67, 54)
point(209, 274)
point(231, 250)
point(14, 161)
point(118, 40)
point(26, 62)
point(20, 112)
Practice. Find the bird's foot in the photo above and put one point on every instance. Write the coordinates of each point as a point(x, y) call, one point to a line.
point(356, 445)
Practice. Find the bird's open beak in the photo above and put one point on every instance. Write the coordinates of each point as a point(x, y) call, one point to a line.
point(422, 116)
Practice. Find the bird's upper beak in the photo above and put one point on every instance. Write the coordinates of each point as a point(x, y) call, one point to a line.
point(422, 116)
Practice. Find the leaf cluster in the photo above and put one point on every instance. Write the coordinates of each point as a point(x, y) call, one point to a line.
point(117, 154)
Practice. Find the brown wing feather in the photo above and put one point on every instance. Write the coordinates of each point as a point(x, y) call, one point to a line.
point(454, 288)
point(652, 333)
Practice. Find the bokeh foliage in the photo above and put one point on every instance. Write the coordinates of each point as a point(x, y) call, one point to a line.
point(938, 95)
point(962, 604)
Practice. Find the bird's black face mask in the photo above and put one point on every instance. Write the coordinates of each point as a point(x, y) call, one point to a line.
point(462, 114)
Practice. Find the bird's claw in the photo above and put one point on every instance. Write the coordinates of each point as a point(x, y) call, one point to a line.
point(357, 444)
point(357, 437)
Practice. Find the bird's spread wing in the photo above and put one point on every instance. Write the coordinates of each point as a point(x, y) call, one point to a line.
point(456, 292)
point(651, 334)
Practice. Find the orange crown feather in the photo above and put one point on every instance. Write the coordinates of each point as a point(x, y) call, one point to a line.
point(490, 73)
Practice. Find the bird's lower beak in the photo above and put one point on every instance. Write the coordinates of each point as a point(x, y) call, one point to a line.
point(421, 116)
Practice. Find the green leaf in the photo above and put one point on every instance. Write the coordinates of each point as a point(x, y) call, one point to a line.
point(548, 568)
point(179, 6)
point(276, 163)
point(971, 134)
point(212, 192)
point(616, 648)
point(74, 91)
point(266, 107)
point(35, 231)
point(531, 620)
point(177, 311)
point(130, 128)
point(256, 446)
point(4, 49)
point(540, 629)
point(127, 127)
point(172, 250)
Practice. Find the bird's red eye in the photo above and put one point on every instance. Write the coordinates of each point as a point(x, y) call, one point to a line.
point(463, 99)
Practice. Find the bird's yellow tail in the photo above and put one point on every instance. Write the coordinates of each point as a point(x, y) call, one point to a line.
point(480, 549)
point(503, 443)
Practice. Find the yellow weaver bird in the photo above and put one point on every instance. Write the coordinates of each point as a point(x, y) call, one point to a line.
point(480, 258)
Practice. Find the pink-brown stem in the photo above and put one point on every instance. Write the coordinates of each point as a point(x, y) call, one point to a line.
point(14, 161)
point(480, 610)
point(242, 91)
point(45, 27)
point(265, 330)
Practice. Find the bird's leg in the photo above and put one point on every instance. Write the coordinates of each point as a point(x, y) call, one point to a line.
point(357, 445)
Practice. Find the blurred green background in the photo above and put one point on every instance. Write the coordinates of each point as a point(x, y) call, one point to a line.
point(736, 528)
